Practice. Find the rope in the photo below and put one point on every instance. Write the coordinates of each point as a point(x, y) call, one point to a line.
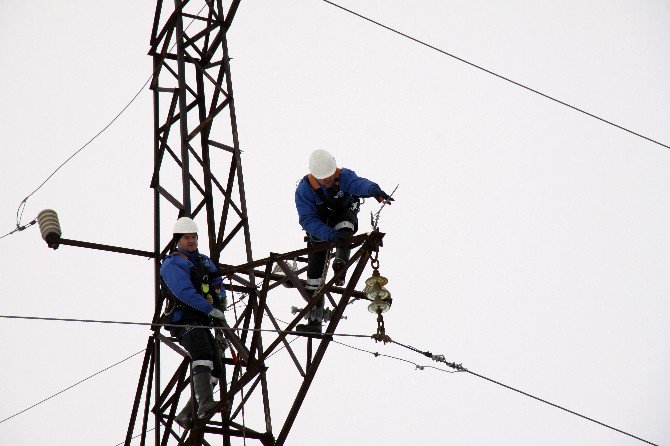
point(518, 84)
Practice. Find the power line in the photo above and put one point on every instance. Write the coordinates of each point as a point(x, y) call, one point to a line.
point(19, 228)
point(228, 383)
point(73, 385)
point(22, 205)
point(377, 354)
point(132, 438)
point(437, 358)
point(496, 74)
point(150, 324)
point(460, 368)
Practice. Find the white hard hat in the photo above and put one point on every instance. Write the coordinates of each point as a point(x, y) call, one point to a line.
point(185, 225)
point(321, 164)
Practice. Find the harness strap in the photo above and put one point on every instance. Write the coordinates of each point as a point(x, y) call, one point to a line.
point(181, 254)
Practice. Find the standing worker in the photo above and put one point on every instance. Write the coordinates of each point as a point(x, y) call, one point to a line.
point(194, 298)
point(327, 200)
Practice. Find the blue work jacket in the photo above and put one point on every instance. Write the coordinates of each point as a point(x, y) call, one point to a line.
point(176, 274)
point(307, 200)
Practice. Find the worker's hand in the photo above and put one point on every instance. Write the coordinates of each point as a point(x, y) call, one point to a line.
point(384, 199)
point(217, 314)
point(382, 196)
point(220, 301)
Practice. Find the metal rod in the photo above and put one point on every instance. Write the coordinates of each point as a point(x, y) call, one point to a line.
point(321, 350)
point(99, 246)
point(183, 115)
point(138, 394)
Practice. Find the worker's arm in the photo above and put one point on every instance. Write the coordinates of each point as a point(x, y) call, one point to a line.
point(216, 284)
point(359, 186)
point(305, 203)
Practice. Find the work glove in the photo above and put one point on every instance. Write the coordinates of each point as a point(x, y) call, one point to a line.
point(381, 196)
point(220, 301)
point(217, 314)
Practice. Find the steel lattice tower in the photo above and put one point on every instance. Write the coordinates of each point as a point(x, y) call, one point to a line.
point(195, 137)
point(193, 102)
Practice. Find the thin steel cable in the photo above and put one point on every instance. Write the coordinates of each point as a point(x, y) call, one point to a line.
point(20, 228)
point(228, 383)
point(73, 385)
point(150, 324)
point(560, 407)
point(518, 84)
point(377, 354)
point(132, 438)
point(460, 368)
point(22, 205)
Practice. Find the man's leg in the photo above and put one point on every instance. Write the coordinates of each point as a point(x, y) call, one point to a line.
point(316, 262)
point(197, 341)
point(347, 225)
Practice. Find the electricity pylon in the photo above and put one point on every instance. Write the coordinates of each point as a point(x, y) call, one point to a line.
point(195, 135)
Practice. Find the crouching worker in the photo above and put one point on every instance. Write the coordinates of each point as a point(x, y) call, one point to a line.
point(193, 300)
point(327, 200)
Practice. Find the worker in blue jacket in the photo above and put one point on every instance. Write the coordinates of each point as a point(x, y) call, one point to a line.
point(327, 200)
point(194, 297)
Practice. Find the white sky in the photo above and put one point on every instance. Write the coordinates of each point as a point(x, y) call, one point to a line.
point(528, 241)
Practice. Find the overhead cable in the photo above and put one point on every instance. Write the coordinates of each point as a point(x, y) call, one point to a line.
point(496, 74)
point(72, 386)
point(138, 435)
point(377, 354)
point(22, 205)
point(460, 368)
point(150, 324)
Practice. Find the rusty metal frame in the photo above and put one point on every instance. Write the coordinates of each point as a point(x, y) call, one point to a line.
point(191, 88)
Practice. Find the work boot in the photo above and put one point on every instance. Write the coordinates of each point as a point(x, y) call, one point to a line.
point(338, 264)
point(184, 417)
point(313, 326)
point(204, 394)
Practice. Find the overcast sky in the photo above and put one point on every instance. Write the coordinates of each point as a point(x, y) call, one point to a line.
point(528, 241)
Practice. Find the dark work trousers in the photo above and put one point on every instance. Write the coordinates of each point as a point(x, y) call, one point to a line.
point(200, 344)
point(316, 261)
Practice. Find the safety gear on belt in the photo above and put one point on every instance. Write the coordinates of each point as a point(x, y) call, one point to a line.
point(185, 225)
point(202, 387)
point(217, 314)
point(337, 209)
point(199, 276)
point(322, 164)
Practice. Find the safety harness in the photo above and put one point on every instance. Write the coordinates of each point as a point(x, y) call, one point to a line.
point(200, 279)
point(335, 201)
